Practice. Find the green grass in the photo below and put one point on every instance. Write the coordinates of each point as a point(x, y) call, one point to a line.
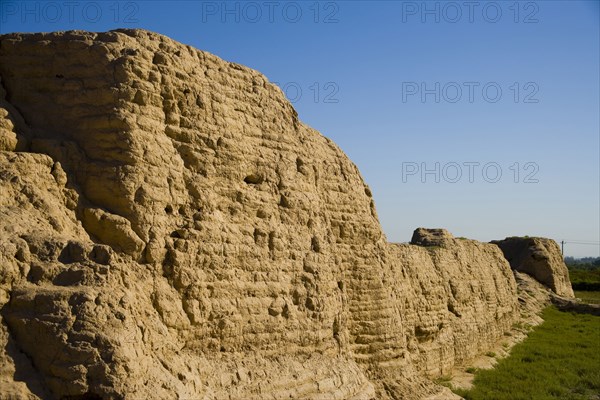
point(585, 279)
point(588, 297)
point(559, 360)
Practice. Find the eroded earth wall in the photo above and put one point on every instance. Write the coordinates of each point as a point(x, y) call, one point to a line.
point(170, 229)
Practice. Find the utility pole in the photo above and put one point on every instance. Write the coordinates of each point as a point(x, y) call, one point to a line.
point(562, 248)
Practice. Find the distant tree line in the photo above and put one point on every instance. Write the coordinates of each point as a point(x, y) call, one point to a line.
point(583, 263)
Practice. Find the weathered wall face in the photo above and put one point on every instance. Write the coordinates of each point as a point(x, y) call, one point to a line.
point(79, 318)
point(10, 123)
point(201, 167)
point(202, 242)
point(454, 301)
point(540, 258)
point(252, 223)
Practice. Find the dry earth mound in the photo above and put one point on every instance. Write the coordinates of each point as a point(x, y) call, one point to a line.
point(540, 258)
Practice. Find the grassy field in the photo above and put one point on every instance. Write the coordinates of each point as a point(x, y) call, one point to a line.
point(588, 297)
point(559, 360)
point(585, 279)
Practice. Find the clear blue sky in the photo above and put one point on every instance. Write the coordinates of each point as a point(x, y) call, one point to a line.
point(367, 74)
